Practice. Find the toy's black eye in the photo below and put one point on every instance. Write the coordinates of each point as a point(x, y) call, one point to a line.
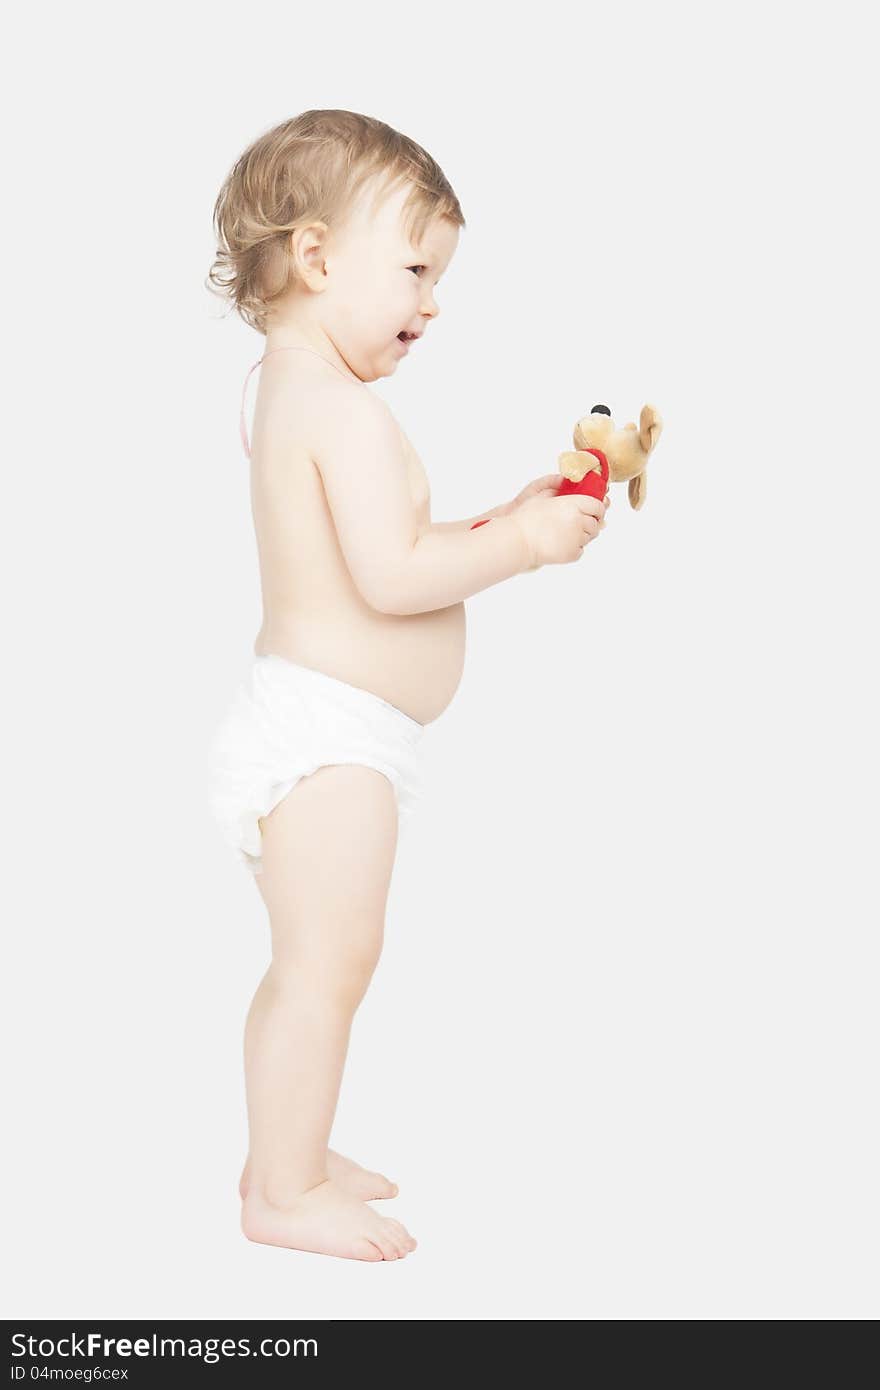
point(600, 410)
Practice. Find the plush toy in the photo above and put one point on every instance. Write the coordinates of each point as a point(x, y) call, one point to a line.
point(603, 454)
point(619, 455)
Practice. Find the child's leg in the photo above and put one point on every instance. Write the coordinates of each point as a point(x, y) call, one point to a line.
point(361, 1182)
point(328, 854)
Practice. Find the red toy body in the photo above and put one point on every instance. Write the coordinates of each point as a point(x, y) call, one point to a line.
point(592, 484)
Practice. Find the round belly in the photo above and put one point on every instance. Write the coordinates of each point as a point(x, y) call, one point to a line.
point(414, 661)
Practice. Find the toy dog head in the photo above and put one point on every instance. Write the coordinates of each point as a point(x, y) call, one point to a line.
point(627, 450)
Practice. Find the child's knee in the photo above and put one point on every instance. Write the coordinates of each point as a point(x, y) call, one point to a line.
point(349, 974)
point(329, 977)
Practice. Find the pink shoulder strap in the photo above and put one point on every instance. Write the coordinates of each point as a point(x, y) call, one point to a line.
point(242, 426)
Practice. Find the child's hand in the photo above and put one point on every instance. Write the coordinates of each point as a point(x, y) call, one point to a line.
point(557, 529)
point(545, 486)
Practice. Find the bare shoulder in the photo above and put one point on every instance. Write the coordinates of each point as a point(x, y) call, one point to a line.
point(349, 422)
point(339, 411)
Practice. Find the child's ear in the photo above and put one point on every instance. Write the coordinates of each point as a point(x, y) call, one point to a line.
point(637, 488)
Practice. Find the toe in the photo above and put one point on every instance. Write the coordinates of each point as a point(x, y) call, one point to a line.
point(385, 1186)
point(388, 1242)
point(401, 1232)
point(366, 1249)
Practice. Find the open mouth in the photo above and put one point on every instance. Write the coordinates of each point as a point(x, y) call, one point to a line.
point(406, 337)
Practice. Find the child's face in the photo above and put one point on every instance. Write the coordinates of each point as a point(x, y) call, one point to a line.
point(377, 283)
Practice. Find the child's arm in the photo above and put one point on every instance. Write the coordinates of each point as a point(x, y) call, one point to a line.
point(363, 467)
point(503, 510)
point(545, 486)
point(445, 568)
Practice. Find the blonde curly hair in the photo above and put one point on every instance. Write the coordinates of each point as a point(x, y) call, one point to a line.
point(311, 168)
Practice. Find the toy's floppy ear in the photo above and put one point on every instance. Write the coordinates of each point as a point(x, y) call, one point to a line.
point(650, 427)
point(637, 489)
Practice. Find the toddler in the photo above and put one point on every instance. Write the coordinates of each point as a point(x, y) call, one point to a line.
point(333, 232)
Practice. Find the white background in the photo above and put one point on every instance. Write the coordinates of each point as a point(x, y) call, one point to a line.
point(620, 1049)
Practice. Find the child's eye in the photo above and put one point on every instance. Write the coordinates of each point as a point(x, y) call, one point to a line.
point(417, 267)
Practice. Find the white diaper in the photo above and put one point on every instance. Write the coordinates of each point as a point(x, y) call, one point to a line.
point(286, 721)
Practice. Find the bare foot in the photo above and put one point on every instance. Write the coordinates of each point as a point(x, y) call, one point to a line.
point(345, 1173)
point(327, 1221)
